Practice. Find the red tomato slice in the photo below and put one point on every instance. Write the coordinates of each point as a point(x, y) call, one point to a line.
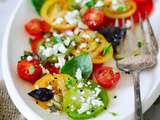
point(95, 19)
point(35, 43)
point(29, 70)
point(36, 27)
point(106, 77)
point(51, 68)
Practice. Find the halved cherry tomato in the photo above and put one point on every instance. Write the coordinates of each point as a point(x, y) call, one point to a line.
point(51, 68)
point(29, 70)
point(36, 27)
point(106, 77)
point(140, 1)
point(35, 43)
point(94, 18)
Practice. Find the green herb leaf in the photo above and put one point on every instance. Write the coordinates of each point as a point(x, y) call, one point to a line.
point(90, 4)
point(56, 39)
point(38, 5)
point(26, 54)
point(122, 8)
point(83, 62)
point(139, 44)
point(107, 49)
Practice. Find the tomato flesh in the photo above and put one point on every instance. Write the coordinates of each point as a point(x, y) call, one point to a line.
point(36, 27)
point(29, 70)
point(106, 77)
point(94, 18)
point(51, 68)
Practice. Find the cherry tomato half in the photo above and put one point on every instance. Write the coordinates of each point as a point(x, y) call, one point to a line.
point(36, 27)
point(94, 18)
point(51, 68)
point(29, 70)
point(106, 77)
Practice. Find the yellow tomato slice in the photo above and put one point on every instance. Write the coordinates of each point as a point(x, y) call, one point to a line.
point(103, 58)
point(109, 12)
point(53, 9)
point(93, 47)
point(57, 81)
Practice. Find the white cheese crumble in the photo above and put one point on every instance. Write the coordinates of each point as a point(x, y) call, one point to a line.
point(79, 74)
point(85, 107)
point(97, 40)
point(73, 43)
point(80, 85)
point(99, 4)
point(36, 86)
point(96, 102)
point(61, 48)
point(48, 39)
point(67, 41)
point(86, 36)
point(44, 71)
point(69, 33)
point(49, 87)
point(73, 98)
point(71, 17)
point(128, 24)
point(58, 21)
point(61, 62)
point(82, 25)
point(78, 1)
point(77, 31)
point(29, 58)
point(83, 45)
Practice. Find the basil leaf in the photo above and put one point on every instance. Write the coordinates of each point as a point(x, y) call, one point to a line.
point(90, 4)
point(107, 49)
point(83, 62)
point(38, 5)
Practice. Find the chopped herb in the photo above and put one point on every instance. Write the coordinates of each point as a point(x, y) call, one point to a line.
point(26, 54)
point(56, 39)
point(139, 44)
point(114, 114)
point(47, 35)
point(90, 4)
point(122, 8)
point(107, 49)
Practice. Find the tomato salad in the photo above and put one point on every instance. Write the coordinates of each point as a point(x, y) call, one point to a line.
point(70, 46)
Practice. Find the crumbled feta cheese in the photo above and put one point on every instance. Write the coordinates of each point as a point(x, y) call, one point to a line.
point(97, 90)
point(29, 58)
point(77, 31)
point(88, 82)
point(48, 52)
point(67, 41)
point(83, 45)
point(73, 43)
point(79, 74)
point(48, 39)
point(58, 21)
point(69, 33)
point(80, 85)
point(85, 107)
point(44, 70)
point(97, 40)
point(82, 99)
point(99, 4)
point(78, 1)
point(88, 112)
point(61, 62)
point(86, 36)
point(71, 17)
point(73, 98)
point(36, 86)
point(77, 51)
point(82, 25)
point(49, 87)
point(61, 48)
point(96, 102)
point(41, 47)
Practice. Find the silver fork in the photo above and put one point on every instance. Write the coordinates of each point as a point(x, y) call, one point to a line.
point(134, 64)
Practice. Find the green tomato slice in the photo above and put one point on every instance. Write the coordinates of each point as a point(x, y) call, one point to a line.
point(75, 101)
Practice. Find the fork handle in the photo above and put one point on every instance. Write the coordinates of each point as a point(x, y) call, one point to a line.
point(137, 94)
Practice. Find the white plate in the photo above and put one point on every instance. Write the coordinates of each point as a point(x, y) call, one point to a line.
point(16, 41)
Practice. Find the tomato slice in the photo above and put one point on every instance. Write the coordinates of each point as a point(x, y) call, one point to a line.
point(94, 18)
point(36, 27)
point(35, 43)
point(29, 70)
point(52, 69)
point(106, 77)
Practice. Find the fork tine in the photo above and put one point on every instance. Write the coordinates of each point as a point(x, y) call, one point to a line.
point(116, 22)
point(154, 43)
point(123, 23)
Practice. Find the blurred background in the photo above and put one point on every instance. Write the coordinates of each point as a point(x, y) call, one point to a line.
point(6, 8)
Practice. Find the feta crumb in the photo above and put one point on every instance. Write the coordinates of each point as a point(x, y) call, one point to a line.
point(69, 33)
point(85, 107)
point(80, 85)
point(88, 82)
point(77, 31)
point(61, 48)
point(88, 112)
point(96, 102)
point(48, 39)
point(79, 74)
point(29, 58)
point(49, 87)
point(82, 25)
point(97, 40)
point(77, 51)
point(47, 52)
point(73, 98)
point(86, 36)
point(58, 21)
point(78, 1)
point(73, 43)
point(67, 41)
point(61, 62)
point(99, 4)
point(71, 17)
point(82, 99)
point(83, 45)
